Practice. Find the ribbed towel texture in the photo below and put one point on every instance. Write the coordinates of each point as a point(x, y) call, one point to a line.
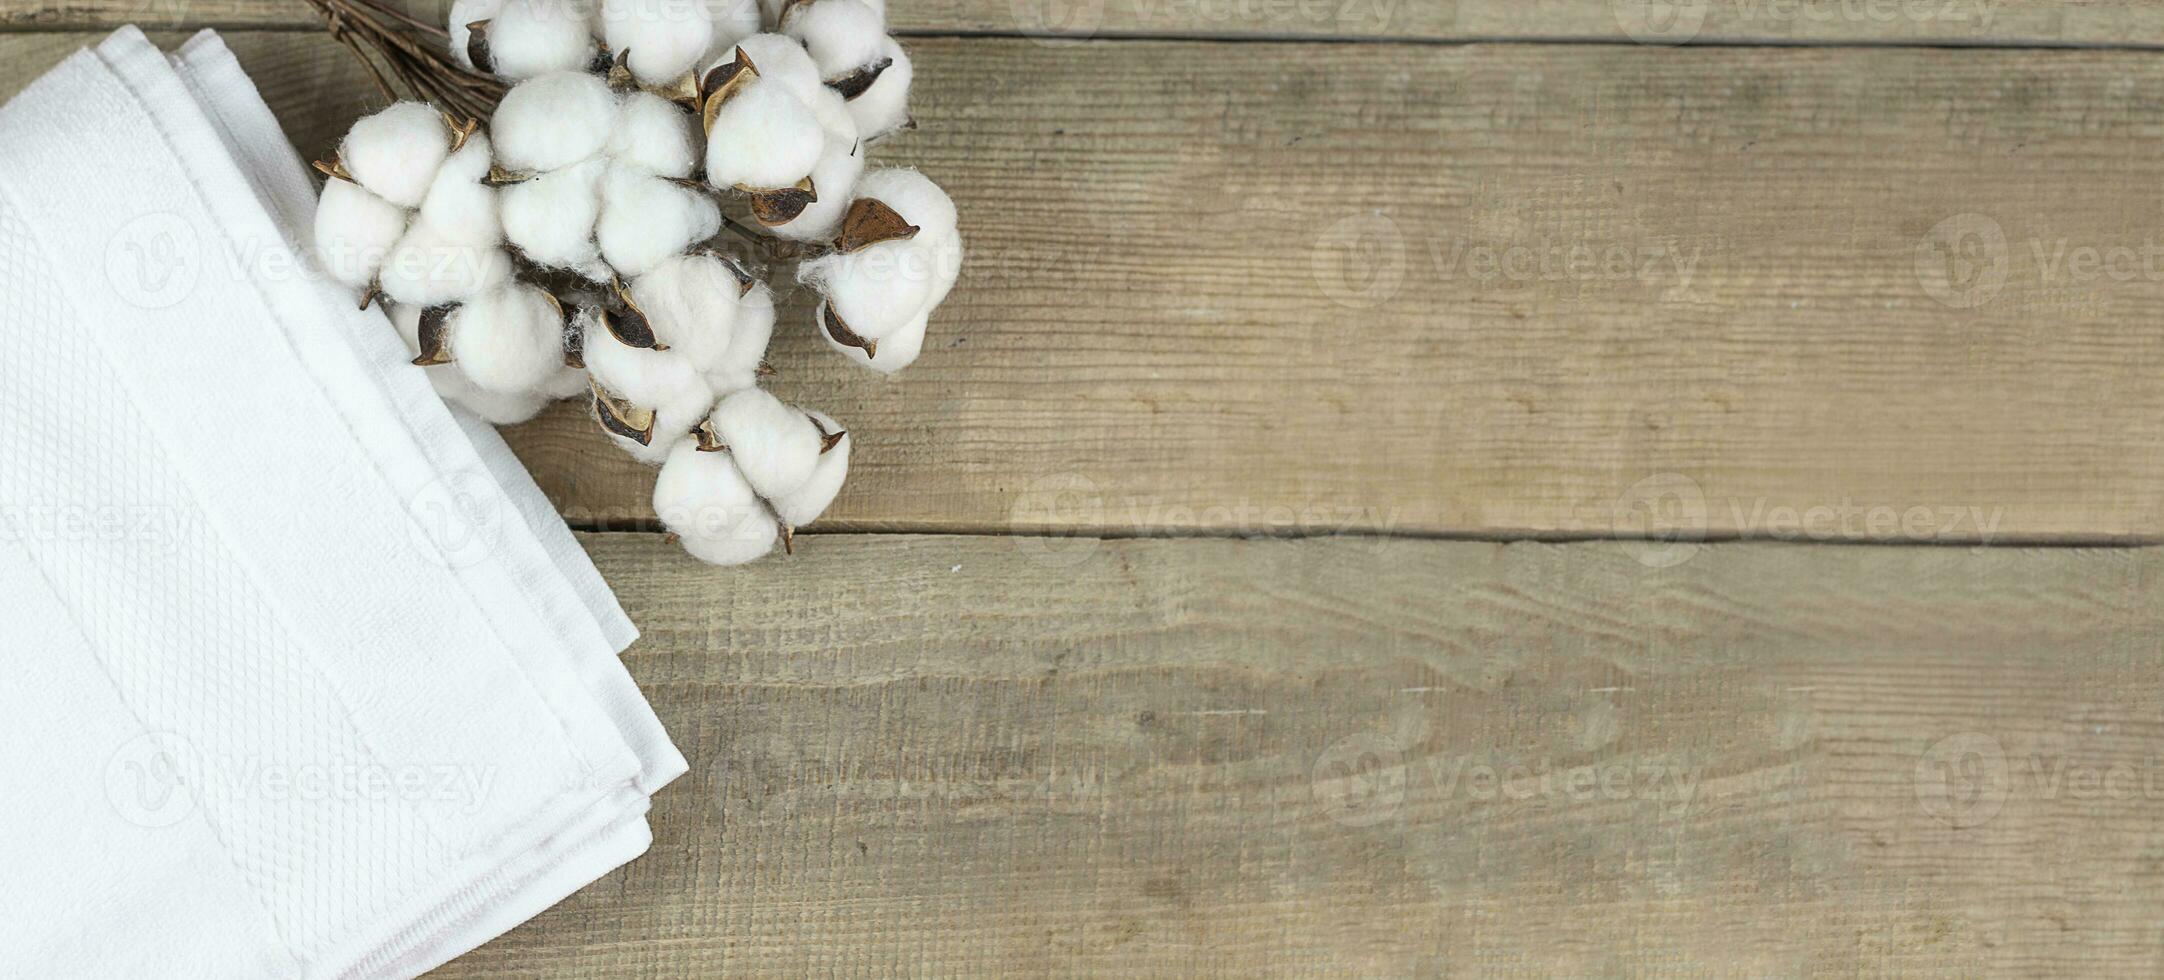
point(309, 680)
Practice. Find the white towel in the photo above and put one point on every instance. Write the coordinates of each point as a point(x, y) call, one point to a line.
point(313, 682)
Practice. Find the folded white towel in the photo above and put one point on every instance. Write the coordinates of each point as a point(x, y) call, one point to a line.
point(314, 682)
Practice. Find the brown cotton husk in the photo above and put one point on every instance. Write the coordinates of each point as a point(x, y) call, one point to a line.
point(574, 338)
point(631, 327)
point(870, 221)
point(461, 131)
point(435, 335)
point(855, 83)
point(477, 47)
point(709, 440)
point(623, 418)
point(333, 168)
point(838, 329)
point(781, 205)
point(721, 84)
point(827, 440)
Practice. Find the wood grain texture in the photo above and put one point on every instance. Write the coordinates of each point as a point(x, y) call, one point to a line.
point(1955, 22)
point(1881, 294)
point(974, 755)
point(1498, 289)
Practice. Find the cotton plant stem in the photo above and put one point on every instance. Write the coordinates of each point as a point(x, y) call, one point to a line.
point(401, 52)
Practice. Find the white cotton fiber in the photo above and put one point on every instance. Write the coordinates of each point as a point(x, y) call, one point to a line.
point(529, 38)
point(355, 231)
point(840, 163)
point(508, 339)
point(876, 290)
point(775, 445)
point(498, 408)
point(553, 121)
point(394, 153)
point(426, 269)
point(673, 422)
point(645, 219)
point(804, 504)
point(463, 14)
point(459, 204)
point(840, 35)
point(655, 135)
point(738, 367)
point(708, 505)
point(781, 58)
point(763, 138)
point(691, 302)
point(663, 39)
point(734, 20)
point(895, 351)
point(913, 196)
point(647, 378)
point(493, 407)
point(884, 107)
point(551, 217)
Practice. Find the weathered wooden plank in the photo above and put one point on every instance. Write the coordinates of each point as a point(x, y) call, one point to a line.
point(1958, 22)
point(1517, 290)
point(975, 755)
point(1882, 294)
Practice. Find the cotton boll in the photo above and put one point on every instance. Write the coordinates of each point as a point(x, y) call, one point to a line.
point(509, 339)
point(647, 378)
point(674, 421)
point(458, 204)
point(394, 153)
point(884, 107)
point(913, 196)
point(738, 367)
point(493, 407)
point(551, 217)
point(834, 176)
point(663, 39)
point(429, 269)
point(497, 408)
point(840, 35)
point(529, 38)
point(691, 302)
point(464, 13)
point(553, 121)
point(876, 290)
point(706, 503)
point(763, 137)
point(355, 232)
point(734, 20)
point(655, 135)
point(895, 351)
point(780, 58)
point(804, 504)
point(645, 219)
point(776, 446)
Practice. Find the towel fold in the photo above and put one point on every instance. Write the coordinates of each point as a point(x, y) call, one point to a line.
point(314, 681)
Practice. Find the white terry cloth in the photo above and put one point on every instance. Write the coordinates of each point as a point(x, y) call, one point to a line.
point(312, 682)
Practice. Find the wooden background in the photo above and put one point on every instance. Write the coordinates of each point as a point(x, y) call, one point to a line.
point(1433, 487)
